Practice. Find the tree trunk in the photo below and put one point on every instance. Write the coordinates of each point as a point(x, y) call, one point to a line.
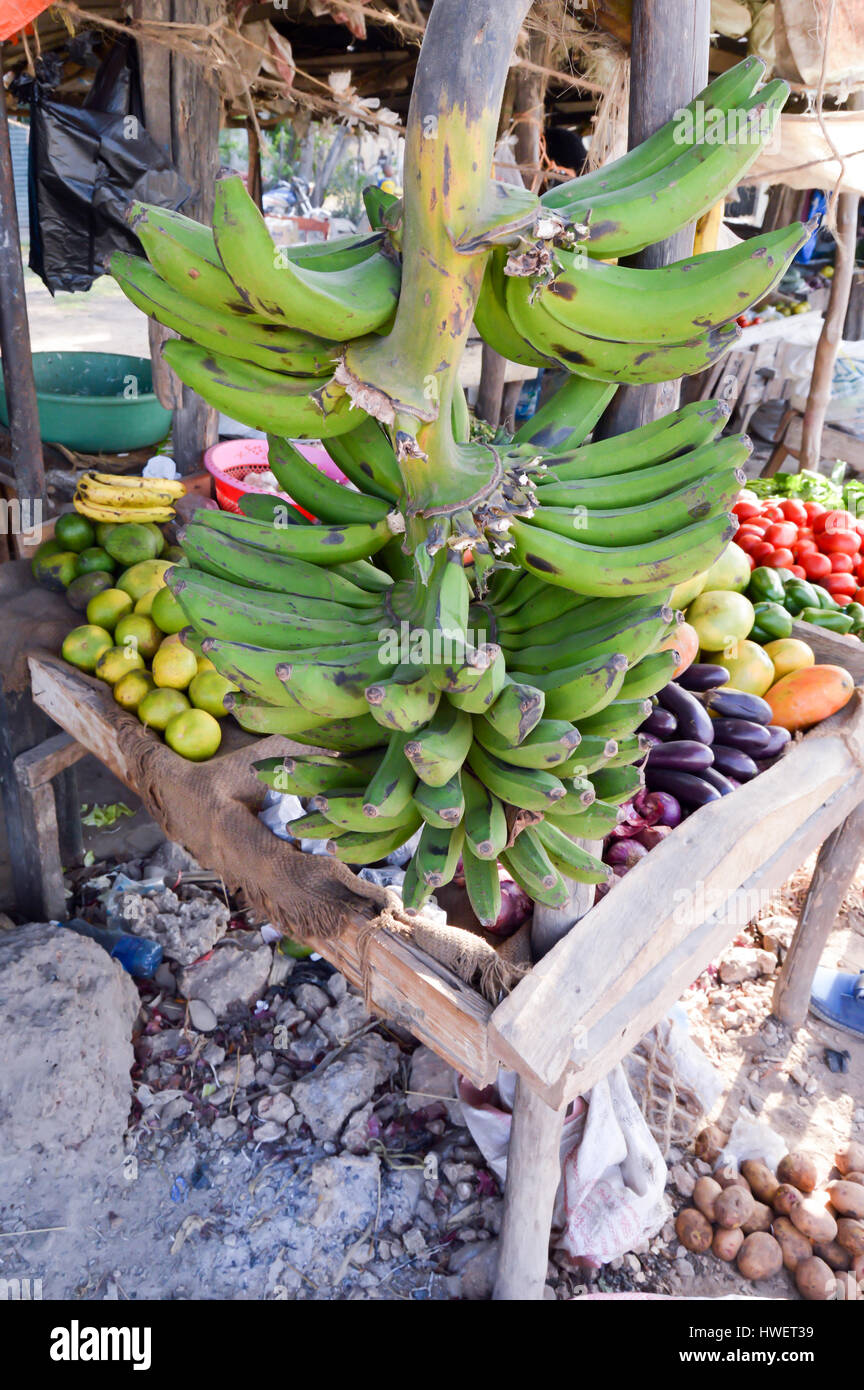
point(668, 66)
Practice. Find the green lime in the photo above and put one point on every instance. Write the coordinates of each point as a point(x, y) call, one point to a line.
point(103, 531)
point(166, 612)
point(195, 735)
point(208, 691)
point(131, 689)
point(87, 586)
point(140, 578)
point(83, 646)
point(95, 558)
point(107, 608)
point(74, 532)
point(116, 662)
point(158, 708)
point(174, 666)
point(133, 542)
point(45, 551)
point(142, 631)
point(57, 570)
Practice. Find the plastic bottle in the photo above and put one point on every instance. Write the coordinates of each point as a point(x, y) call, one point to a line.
point(137, 955)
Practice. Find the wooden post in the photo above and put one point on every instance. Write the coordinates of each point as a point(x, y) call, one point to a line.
point(549, 924)
point(15, 336)
point(668, 66)
point(533, 1175)
point(253, 163)
point(819, 394)
point(835, 868)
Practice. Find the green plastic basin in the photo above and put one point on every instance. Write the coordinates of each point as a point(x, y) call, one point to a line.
point(98, 402)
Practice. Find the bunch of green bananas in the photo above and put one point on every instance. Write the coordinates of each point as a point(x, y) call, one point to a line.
point(471, 635)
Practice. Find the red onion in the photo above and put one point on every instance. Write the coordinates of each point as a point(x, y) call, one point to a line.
point(657, 808)
point(625, 854)
point(516, 906)
point(651, 836)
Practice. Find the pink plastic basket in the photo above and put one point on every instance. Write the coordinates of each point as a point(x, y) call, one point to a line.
point(247, 457)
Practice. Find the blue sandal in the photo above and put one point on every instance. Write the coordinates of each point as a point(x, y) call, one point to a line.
point(837, 997)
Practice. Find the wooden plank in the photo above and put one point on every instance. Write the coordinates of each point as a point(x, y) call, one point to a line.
point(406, 985)
point(835, 869)
point(43, 762)
point(533, 1175)
point(835, 443)
point(649, 914)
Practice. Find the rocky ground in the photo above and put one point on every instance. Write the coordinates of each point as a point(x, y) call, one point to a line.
point(281, 1144)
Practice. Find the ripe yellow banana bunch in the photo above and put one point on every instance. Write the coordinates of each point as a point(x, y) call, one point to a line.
point(110, 497)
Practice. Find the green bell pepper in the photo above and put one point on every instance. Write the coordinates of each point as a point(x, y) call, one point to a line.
point(800, 595)
point(856, 613)
point(833, 622)
point(826, 600)
point(765, 586)
point(785, 575)
point(773, 620)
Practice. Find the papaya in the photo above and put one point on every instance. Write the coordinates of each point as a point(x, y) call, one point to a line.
point(685, 640)
point(806, 697)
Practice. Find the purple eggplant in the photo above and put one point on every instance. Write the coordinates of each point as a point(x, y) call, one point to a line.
point(734, 762)
point(693, 722)
point(716, 779)
point(738, 704)
point(657, 808)
point(683, 754)
point(684, 786)
point(779, 739)
point(742, 733)
point(660, 722)
point(701, 677)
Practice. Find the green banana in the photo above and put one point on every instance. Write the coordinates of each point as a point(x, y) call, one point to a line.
point(717, 492)
point(632, 639)
point(442, 806)
point(366, 456)
point(342, 735)
point(592, 822)
point(365, 575)
point(617, 784)
point(484, 820)
point(530, 788)
point(659, 440)
point(199, 592)
point(224, 559)
point(567, 417)
point(570, 859)
point(437, 751)
point(630, 569)
point(492, 320)
point(234, 620)
point(345, 810)
point(640, 486)
point(619, 719)
point(316, 545)
point(649, 675)
point(530, 866)
point(483, 887)
point(315, 773)
point(630, 750)
point(407, 701)
point(332, 689)
point(393, 783)
point(365, 847)
point(437, 853)
point(674, 302)
point(594, 751)
point(550, 743)
point(517, 710)
point(487, 689)
point(257, 396)
point(415, 892)
point(358, 299)
point(314, 826)
point(579, 690)
point(590, 614)
point(327, 500)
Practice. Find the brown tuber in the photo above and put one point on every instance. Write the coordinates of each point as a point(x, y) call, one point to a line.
point(850, 1159)
point(705, 1194)
point(727, 1243)
point(800, 1170)
point(733, 1207)
point(694, 1231)
point(795, 1247)
point(815, 1280)
point(785, 1198)
point(759, 1220)
point(727, 1175)
point(814, 1220)
point(847, 1198)
point(760, 1256)
point(710, 1143)
point(854, 1176)
point(762, 1181)
point(833, 1254)
point(850, 1235)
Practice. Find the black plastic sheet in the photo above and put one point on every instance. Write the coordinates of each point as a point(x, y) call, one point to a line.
point(86, 165)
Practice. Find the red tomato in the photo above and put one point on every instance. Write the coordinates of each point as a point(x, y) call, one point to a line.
point(859, 595)
point(794, 511)
point(746, 543)
point(798, 571)
point(760, 551)
point(841, 584)
point(804, 548)
point(842, 599)
point(771, 512)
point(816, 566)
point(751, 562)
point(782, 533)
point(781, 558)
point(843, 542)
point(813, 509)
point(834, 523)
point(744, 510)
point(841, 564)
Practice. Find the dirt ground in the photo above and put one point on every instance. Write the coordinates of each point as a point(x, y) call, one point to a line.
point(102, 320)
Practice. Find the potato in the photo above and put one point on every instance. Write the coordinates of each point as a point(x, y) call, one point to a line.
point(833, 1254)
point(850, 1235)
point(847, 1198)
point(705, 1194)
point(853, 1176)
point(760, 1256)
point(858, 1267)
point(815, 1280)
point(800, 1170)
point(850, 1159)
point(795, 1247)
point(763, 1183)
point(814, 1220)
point(694, 1231)
point(710, 1143)
point(733, 1207)
point(728, 1176)
point(727, 1243)
point(759, 1220)
point(786, 1198)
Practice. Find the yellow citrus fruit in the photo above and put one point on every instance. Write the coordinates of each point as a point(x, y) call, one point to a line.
point(194, 735)
point(135, 627)
point(84, 645)
point(721, 618)
point(174, 667)
point(788, 654)
point(139, 579)
point(166, 612)
point(116, 662)
point(106, 609)
point(749, 665)
point(208, 690)
point(145, 602)
point(159, 707)
point(131, 689)
point(205, 664)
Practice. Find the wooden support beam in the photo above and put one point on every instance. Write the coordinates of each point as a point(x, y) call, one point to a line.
point(668, 66)
point(39, 765)
point(835, 869)
point(20, 387)
point(533, 1175)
